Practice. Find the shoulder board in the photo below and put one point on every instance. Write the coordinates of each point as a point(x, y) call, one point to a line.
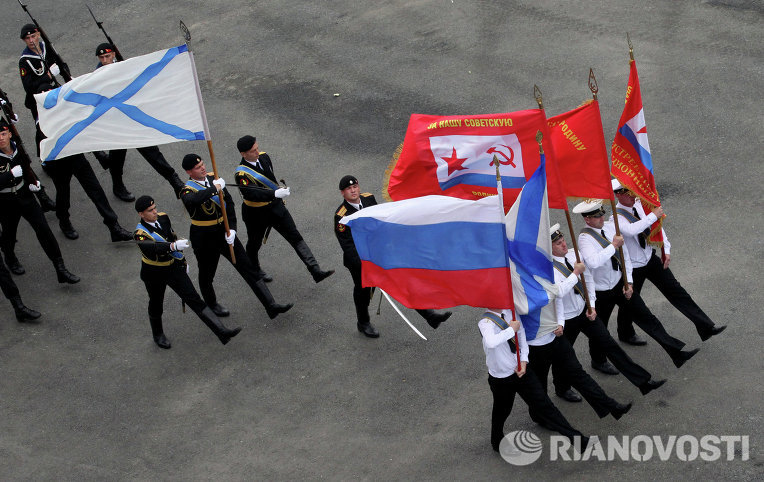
point(366, 194)
point(262, 153)
point(342, 211)
point(161, 214)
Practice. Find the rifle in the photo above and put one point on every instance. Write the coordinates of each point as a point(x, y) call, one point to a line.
point(61, 64)
point(25, 161)
point(108, 39)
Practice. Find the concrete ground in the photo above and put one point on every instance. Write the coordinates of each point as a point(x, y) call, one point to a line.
point(85, 394)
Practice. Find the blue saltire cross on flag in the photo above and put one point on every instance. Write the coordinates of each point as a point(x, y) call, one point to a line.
point(530, 252)
point(144, 101)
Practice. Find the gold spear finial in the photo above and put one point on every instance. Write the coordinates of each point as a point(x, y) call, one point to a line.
point(593, 83)
point(631, 47)
point(537, 95)
point(495, 162)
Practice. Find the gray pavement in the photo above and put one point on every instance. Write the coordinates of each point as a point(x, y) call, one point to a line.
point(85, 394)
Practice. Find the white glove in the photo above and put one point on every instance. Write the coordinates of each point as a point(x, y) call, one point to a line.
point(54, 69)
point(231, 237)
point(181, 244)
point(15, 118)
point(220, 183)
point(16, 171)
point(282, 192)
point(35, 187)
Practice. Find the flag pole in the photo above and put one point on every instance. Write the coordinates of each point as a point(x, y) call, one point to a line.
point(500, 191)
point(612, 197)
point(187, 37)
point(540, 101)
point(631, 60)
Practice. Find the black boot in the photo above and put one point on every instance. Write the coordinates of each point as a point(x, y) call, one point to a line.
point(176, 183)
point(22, 312)
point(266, 298)
point(219, 309)
point(121, 192)
point(433, 318)
point(64, 276)
point(68, 229)
point(118, 233)
point(306, 255)
point(14, 265)
point(103, 158)
point(46, 203)
point(213, 323)
point(158, 332)
point(368, 330)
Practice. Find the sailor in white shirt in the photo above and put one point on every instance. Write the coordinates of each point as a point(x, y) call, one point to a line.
point(635, 227)
point(554, 350)
point(506, 379)
point(597, 243)
point(579, 320)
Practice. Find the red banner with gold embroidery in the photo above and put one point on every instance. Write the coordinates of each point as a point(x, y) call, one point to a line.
point(580, 153)
point(452, 156)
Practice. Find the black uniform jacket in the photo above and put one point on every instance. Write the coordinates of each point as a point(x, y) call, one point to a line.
point(203, 209)
point(256, 194)
point(34, 74)
point(349, 254)
point(155, 253)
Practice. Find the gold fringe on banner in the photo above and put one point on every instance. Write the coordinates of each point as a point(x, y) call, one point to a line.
point(390, 167)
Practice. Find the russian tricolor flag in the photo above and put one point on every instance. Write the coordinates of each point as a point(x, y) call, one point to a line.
point(632, 161)
point(435, 251)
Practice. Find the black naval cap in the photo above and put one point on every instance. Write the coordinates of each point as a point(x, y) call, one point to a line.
point(104, 48)
point(245, 143)
point(189, 161)
point(4, 126)
point(347, 181)
point(143, 203)
point(27, 29)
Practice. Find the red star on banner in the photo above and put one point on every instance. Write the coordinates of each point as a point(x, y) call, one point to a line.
point(454, 162)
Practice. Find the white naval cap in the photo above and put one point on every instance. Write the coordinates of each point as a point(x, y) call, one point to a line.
point(590, 208)
point(554, 232)
point(617, 186)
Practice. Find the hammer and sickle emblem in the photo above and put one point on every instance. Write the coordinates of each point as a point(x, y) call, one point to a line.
point(509, 160)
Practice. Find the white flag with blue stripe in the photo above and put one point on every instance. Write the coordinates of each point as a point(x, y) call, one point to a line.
point(530, 253)
point(143, 101)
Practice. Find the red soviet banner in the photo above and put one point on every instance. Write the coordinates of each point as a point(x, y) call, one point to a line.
point(452, 155)
point(580, 153)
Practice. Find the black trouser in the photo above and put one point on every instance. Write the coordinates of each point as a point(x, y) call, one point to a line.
point(599, 335)
point(7, 285)
point(257, 221)
point(62, 170)
point(531, 391)
point(209, 244)
point(158, 278)
point(12, 208)
point(638, 311)
point(664, 280)
point(559, 353)
point(153, 156)
point(361, 296)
